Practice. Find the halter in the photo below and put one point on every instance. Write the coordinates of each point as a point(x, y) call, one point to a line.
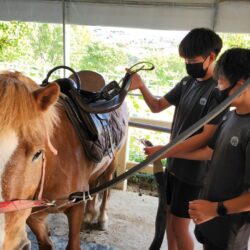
point(16, 205)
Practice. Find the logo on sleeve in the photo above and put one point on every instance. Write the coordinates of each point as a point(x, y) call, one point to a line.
point(203, 101)
point(234, 141)
point(184, 82)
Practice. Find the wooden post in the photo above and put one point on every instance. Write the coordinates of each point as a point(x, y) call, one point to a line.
point(122, 163)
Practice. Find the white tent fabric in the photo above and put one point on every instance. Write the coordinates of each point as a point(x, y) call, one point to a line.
point(220, 15)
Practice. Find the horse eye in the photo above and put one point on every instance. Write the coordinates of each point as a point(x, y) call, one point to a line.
point(37, 154)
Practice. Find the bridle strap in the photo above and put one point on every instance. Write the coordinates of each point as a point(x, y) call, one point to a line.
point(54, 151)
point(40, 194)
point(16, 205)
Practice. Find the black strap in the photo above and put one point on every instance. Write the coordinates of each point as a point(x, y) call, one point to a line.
point(77, 196)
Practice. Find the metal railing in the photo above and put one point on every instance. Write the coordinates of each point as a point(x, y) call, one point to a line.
point(123, 163)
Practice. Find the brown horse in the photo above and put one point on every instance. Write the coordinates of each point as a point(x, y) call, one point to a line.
point(31, 119)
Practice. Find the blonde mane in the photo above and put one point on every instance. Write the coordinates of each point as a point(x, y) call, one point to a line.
point(19, 110)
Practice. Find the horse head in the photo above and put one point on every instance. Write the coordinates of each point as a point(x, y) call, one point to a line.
point(27, 118)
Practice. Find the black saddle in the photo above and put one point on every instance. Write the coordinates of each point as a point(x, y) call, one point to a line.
point(107, 99)
point(94, 113)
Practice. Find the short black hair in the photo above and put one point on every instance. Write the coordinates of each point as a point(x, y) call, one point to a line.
point(200, 42)
point(234, 64)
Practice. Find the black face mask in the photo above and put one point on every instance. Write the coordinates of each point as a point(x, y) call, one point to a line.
point(196, 69)
point(221, 95)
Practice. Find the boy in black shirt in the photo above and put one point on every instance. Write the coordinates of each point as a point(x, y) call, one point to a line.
point(193, 98)
point(222, 216)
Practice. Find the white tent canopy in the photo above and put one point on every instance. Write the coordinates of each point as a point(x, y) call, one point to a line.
point(220, 15)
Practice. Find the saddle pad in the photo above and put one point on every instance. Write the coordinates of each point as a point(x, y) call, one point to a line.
point(100, 134)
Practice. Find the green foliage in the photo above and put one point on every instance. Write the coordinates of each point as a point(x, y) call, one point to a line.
point(46, 41)
point(235, 40)
point(146, 181)
point(169, 69)
point(12, 42)
point(36, 46)
point(103, 58)
point(80, 37)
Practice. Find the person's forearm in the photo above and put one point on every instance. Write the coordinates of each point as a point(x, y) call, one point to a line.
point(151, 100)
point(193, 143)
point(202, 154)
point(238, 204)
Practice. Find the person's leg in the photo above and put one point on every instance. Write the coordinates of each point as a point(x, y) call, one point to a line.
point(182, 234)
point(182, 193)
point(171, 240)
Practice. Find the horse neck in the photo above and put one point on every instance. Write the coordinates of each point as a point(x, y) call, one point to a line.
point(70, 161)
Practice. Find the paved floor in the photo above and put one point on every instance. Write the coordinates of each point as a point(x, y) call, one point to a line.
point(131, 225)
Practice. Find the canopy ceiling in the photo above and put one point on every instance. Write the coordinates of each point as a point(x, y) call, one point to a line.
point(220, 15)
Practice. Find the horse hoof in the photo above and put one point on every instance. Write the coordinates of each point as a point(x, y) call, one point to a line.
point(85, 226)
point(89, 218)
point(103, 225)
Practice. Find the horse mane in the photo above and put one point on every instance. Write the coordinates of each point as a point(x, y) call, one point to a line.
point(19, 110)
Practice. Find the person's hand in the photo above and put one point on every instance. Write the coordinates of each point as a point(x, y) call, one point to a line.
point(151, 150)
point(136, 81)
point(201, 210)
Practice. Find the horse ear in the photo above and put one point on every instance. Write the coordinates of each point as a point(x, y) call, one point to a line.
point(46, 96)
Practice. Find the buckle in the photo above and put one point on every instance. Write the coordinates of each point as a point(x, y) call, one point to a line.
point(110, 90)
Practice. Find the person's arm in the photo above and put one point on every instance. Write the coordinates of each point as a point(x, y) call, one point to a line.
point(193, 143)
point(201, 154)
point(201, 210)
point(155, 104)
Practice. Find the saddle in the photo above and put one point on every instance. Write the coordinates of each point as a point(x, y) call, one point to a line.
point(99, 133)
point(93, 108)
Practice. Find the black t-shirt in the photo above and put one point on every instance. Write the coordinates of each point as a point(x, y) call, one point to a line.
point(192, 100)
point(229, 177)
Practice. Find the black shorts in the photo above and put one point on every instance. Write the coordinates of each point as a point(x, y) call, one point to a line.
point(202, 239)
point(179, 194)
point(206, 243)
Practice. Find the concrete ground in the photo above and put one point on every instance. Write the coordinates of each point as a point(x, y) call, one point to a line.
point(131, 225)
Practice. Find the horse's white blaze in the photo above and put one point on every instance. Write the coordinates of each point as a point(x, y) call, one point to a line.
point(8, 144)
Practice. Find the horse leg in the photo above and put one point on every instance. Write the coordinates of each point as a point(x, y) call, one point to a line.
point(103, 217)
point(74, 215)
point(39, 227)
point(90, 212)
point(107, 176)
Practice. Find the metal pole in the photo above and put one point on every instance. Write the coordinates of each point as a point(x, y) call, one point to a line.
point(64, 35)
point(149, 127)
point(215, 16)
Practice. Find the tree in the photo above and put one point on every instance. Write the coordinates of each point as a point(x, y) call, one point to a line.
point(46, 44)
point(80, 37)
point(235, 40)
point(100, 57)
point(12, 40)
